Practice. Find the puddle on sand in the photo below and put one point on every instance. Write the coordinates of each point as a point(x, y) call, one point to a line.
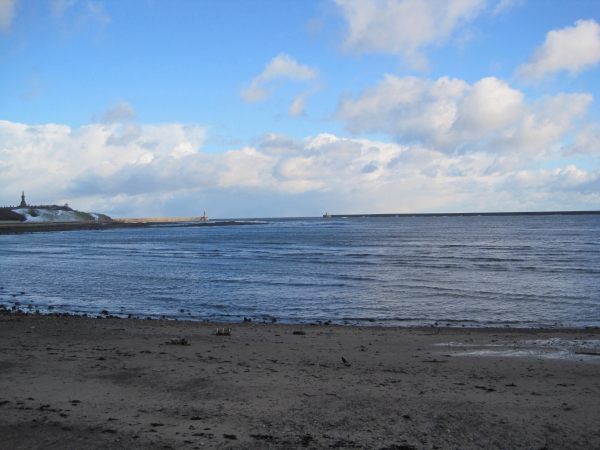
point(554, 348)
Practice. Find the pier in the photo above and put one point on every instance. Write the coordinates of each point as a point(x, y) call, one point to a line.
point(521, 213)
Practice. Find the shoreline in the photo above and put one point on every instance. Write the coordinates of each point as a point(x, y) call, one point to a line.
point(367, 324)
point(70, 382)
point(19, 309)
point(36, 227)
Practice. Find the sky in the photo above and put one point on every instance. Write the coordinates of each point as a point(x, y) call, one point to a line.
point(270, 108)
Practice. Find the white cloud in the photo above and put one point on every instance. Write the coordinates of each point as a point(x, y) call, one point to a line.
point(409, 106)
point(586, 141)
point(8, 9)
point(505, 5)
point(59, 7)
point(119, 113)
point(562, 186)
point(281, 67)
point(544, 126)
point(574, 49)
point(404, 27)
point(75, 15)
point(489, 106)
point(298, 105)
point(152, 170)
point(95, 11)
point(452, 116)
point(34, 88)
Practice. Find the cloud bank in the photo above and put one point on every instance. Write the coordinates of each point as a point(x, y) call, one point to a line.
point(152, 170)
point(450, 145)
point(454, 117)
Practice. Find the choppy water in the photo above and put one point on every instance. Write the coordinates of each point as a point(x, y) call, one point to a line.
point(521, 271)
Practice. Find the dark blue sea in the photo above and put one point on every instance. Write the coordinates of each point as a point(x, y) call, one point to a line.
point(517, 271)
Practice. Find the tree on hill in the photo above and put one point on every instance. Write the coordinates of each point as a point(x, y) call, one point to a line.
point(7, 214)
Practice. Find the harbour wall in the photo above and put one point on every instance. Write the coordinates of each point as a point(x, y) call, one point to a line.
point(530, 213)
point(162, 219)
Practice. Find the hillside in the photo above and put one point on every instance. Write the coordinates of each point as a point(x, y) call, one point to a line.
point(52, 215)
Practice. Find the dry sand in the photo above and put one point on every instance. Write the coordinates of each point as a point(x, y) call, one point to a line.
point(84, 383)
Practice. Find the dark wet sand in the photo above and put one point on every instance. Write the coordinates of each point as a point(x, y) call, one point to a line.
point(84, 383)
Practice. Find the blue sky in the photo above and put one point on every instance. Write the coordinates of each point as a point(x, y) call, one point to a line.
point(269, 108)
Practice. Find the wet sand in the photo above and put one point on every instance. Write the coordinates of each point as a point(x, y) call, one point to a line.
point(69, 382)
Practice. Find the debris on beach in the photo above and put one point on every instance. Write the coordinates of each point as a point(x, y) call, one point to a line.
point(175, 341)
point(223, 331)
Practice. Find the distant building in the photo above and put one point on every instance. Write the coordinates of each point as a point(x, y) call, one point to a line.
point(23, 203)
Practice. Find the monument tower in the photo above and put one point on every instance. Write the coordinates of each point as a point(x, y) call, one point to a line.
point(23, 204)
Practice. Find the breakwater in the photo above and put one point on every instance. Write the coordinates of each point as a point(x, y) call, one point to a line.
point(162, 219)
point(474, 214)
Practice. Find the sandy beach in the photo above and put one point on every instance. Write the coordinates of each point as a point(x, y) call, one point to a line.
point(70, 382)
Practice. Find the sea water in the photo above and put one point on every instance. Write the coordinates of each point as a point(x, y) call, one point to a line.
point(529, 271)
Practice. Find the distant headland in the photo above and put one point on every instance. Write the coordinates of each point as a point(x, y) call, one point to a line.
point(47, 213)
point(27, 218)
point(25, 213)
